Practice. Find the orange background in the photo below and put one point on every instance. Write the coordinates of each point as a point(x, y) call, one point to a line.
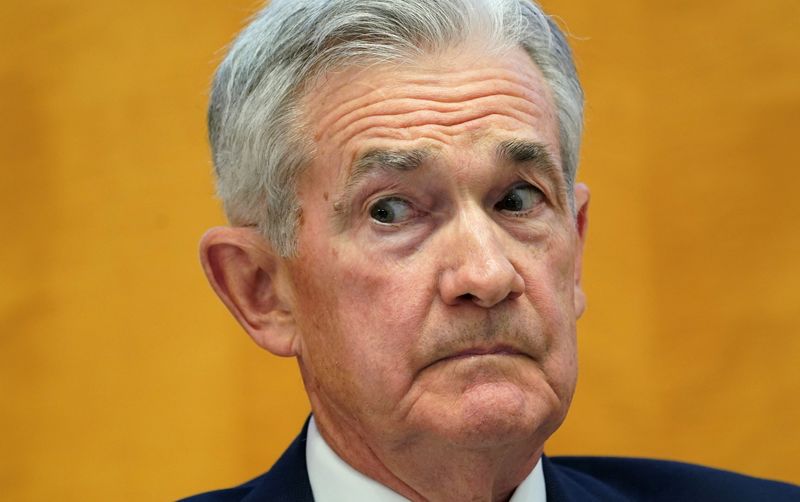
point(123, 378)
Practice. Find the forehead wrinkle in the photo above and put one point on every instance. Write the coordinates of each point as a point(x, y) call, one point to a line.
point(435, 84)
point(435, 99)
point(409, 125)
point(442, 86)
point(442, 77)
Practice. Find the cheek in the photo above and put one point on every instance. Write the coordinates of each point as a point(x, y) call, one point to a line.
point(550, 288)
point(549, 270)
point(563, 364)
point(360, 319)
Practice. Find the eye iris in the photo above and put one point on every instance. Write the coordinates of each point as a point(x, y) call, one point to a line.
point(382, 212)
point(520, 199)
point(512, 202)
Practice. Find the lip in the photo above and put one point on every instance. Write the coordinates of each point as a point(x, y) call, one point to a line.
point(480, 351)
point(477, 351)
point(495, 350)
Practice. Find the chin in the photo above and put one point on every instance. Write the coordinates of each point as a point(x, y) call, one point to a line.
point(498, 413)
point(491, 401)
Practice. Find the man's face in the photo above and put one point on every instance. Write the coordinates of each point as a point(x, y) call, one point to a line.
point(436, 282)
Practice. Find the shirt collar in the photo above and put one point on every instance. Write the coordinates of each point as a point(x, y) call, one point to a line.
point(332, 479)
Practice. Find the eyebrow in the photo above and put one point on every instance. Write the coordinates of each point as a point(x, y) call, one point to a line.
point(528, 152)
point(388, 160)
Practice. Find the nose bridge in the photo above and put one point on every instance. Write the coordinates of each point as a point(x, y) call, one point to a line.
point(479, 235)
point(478, 268)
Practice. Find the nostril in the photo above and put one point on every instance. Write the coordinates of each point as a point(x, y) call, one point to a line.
point(467, 297)
point(513, 295)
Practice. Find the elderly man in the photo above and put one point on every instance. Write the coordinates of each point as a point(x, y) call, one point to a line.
point(400, 180)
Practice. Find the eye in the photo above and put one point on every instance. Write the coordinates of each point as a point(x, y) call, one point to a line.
point(390, 211)
point(520, 198)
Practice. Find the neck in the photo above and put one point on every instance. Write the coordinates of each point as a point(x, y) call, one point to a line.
point(425, 469)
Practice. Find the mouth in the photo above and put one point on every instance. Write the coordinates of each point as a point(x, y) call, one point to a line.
point(474, 352)
point(480, 351)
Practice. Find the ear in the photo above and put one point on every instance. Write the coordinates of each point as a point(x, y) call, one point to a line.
point(581, 225)
point(252, 281)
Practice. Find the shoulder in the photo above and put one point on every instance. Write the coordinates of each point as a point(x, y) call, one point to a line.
point(234, 494)
point(615, 478)
point(287, 480)
point(278, 484)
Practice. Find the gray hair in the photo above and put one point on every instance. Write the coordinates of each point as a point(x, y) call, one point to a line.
point(255, 125)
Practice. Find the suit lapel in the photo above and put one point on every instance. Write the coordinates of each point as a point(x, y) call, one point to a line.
point(561, 487)
point(288, 478)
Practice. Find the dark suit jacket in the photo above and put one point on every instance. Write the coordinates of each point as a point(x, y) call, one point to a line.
point(568, 479)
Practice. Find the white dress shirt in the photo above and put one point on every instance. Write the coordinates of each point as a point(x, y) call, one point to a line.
point(333, 480)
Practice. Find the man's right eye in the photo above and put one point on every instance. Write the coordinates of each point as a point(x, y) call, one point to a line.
point(391, 211)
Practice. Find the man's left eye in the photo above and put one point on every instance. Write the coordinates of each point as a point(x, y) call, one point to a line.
point(520, 198)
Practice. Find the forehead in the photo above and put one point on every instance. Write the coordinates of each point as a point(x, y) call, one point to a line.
point(456, 104)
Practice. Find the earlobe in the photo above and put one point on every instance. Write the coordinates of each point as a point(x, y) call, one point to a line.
point(582, 197)
point(251, 281)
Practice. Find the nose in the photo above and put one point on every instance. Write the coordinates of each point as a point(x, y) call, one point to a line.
point(477, 267)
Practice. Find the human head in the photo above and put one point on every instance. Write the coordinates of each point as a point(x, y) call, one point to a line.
point(258, 137)
point(425, 270)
